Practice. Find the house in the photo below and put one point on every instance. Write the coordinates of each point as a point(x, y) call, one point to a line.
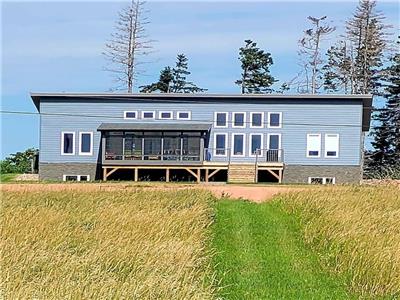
point(234, 138)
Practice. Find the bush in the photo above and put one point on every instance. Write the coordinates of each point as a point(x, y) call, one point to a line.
point(20, 162)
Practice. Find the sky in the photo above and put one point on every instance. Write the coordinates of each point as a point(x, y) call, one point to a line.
point(56, 46)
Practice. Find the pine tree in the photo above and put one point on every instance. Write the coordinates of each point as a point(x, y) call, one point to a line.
point(163, 85)
point(174, 80)
point(338, 71)
point(368, 36)
point(256, 77)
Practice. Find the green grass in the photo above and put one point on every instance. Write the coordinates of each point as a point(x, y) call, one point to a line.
point(261, 254)
point(7, 177)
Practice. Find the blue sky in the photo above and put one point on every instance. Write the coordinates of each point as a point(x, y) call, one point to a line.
point(57, 46)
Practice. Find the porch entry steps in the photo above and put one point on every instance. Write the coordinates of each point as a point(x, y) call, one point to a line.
point(242, 173)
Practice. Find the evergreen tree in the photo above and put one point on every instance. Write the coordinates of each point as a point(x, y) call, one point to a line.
point(163, 85)
point(174, 80)
point(256, 77)
point(368, 36)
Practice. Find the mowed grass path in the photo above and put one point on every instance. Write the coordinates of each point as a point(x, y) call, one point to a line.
point(261, 255)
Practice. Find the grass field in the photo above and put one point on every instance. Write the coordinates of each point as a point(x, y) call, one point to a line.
point(106, 245)
point(7, 177)
point(323, 243)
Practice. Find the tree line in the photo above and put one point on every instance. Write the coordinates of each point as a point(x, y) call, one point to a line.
point(355, 63)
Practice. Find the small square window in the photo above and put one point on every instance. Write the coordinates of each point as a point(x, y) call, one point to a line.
point(221, 119)
point(130, 115)
point(274, 120)
point(165, 115)
point(70, 178)
point(84, 178)
point(148, 114)
point(329, 180)
point(184, 115)
point(239, 119)
point(316, 180)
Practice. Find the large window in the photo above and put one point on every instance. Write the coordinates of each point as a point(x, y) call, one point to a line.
point(67, 143)
point(256, 119)
point(220, 141)
point(313, 145)
point(85, 143)
point(239, 119)
point(331, 145)
point(256, 144)
point(238, 144)
point(221, 119)
point(274, 120)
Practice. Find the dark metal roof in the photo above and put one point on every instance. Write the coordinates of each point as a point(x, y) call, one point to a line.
point(155, 126)
point(234, 98)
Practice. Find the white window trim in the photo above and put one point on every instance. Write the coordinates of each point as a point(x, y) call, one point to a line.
point(280, 140)
point(262, 144)
point(215, 144)
point(262, 119)
point(78, 177)
point(323, 179)
point(244, 119)
point(338, 145)
point(130, 111)
point(215, 119)
point(148, 111)
point(233, 145)
point(184, 111)
point(62, 142)
point(165, 111)
point(269, 119)
point(319, 150)
point(91, 143)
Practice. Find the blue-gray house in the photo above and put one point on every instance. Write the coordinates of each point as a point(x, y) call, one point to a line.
point(207, 137)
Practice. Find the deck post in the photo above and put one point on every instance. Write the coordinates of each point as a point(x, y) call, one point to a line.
point(198, 175)
point(136, 174)
point(104, 174)
point(280, 176)
point(207, 175)
point(167, 175)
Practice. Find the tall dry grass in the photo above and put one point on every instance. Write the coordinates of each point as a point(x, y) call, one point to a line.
point(105, 245)
point(357, 232)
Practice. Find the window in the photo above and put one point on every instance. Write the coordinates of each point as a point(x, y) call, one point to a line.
point(238, 144)
point(76, 177)
point(273, 154)
point(165, 115)
point(130, 114)
point(67, 143)
point(331, 145)
point(256, 144)
point(85, 143)
point(313, 145)
point(256, 120)
point(321, 180)
point(274, 120)
point(148, 114)
point(221, 119)
point(239, 119)
point(220, 141)
point(184, 115)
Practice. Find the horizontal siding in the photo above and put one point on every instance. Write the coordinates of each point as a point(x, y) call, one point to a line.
point(342, 117)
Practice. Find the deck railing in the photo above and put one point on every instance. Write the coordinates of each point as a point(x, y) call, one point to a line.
point(176, 156)
point(269, 155)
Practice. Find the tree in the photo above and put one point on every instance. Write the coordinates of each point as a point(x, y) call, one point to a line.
point(256, 77)
point(128, 44)
point(386, 132)
point(174, 80)
point(368, 37)
point(20, 162)
point(310, 53)
point(339, 69)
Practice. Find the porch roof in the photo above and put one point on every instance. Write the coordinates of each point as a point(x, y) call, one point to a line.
point(154, 126)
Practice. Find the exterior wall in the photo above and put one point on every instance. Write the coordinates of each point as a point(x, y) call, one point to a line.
point(342, 174)
point(55, 171)
point(299, 118)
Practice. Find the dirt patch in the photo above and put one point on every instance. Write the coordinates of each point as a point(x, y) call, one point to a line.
point(250, 192)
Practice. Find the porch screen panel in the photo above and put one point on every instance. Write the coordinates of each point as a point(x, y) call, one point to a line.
point(152, 145)
point(191, 147)
point(172, 146)
point(114, 146)
point(133, 145)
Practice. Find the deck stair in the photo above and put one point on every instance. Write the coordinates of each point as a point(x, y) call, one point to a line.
point(241, 173)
